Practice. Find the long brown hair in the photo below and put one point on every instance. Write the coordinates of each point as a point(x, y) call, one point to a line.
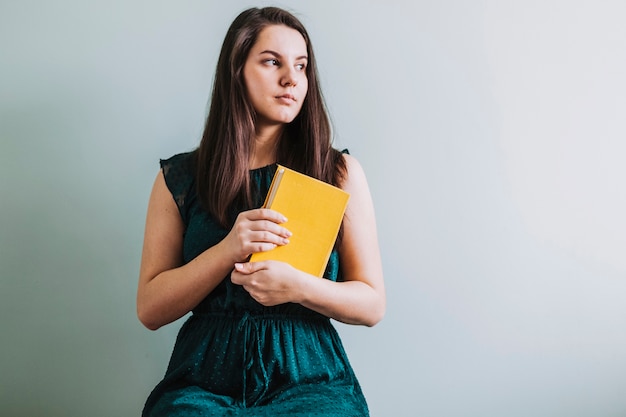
point(222, 177)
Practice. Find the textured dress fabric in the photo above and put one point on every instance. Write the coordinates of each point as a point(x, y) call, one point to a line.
point(236, 357)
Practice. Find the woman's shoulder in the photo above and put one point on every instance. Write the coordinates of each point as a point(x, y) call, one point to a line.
point(349, 161)
point(354, 174)
point(179, 175)
point(179, 161)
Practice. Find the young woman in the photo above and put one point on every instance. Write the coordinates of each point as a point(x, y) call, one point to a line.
point(259, 341)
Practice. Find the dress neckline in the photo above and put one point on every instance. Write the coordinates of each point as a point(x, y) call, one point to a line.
point(263, 168)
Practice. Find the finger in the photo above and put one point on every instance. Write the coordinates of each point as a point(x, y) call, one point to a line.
point(263, 237)
point(266, 225)
point(248, 268)
point(266, 214)
point(240, 278)
point(256, 247)
point(237, 278)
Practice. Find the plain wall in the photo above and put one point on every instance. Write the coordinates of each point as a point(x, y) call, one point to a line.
point(493, 137)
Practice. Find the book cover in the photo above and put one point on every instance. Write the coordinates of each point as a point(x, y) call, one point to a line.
point(314, 211)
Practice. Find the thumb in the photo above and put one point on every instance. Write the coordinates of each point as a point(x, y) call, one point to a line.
point(248, 267)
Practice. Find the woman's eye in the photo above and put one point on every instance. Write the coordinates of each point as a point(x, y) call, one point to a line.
point(271, 61)
point(300, 67)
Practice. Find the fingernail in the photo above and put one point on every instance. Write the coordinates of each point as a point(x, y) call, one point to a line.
point(285, 241)
point(238, 266)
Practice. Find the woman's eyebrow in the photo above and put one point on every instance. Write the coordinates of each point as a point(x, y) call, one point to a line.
point(278, 55)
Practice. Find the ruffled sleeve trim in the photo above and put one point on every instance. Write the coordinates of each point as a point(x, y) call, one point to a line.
point(180, 179)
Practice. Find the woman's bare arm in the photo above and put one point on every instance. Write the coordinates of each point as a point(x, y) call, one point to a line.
point(168, 289)
point(360, 299)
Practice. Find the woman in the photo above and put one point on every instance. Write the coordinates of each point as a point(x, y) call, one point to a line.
point(259, 341)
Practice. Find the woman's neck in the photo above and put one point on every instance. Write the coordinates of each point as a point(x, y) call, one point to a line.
point(265, 146)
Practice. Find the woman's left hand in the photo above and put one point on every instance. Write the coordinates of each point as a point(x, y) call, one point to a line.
point(269, 282)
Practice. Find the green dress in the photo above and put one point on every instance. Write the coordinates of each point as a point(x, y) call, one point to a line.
point(236, 357)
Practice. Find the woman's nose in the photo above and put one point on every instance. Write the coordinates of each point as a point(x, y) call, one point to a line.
point(289, 78)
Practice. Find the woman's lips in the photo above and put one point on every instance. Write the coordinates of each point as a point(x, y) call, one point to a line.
point(286, 98)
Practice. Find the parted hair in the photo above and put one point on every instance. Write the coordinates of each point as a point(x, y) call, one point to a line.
point(222, 158)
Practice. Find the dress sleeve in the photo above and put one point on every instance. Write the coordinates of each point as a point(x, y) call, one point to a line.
point(179, 178)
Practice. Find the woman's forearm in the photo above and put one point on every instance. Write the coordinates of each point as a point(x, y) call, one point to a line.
point(173, 293)
point(350, 302)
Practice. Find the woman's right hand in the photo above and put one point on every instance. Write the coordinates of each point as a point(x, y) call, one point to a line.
point(256, 230)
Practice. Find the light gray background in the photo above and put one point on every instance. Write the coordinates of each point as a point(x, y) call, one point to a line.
point(492, 133)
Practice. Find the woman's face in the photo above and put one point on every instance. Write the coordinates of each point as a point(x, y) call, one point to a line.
point(275, 75)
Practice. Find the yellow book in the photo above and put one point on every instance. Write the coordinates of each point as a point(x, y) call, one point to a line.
point(314, 211)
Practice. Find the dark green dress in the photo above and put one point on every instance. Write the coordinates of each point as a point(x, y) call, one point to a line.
point(236, 357)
